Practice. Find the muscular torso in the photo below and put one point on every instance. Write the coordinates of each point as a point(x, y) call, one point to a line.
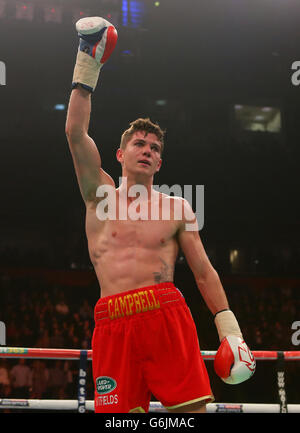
point(130, 254)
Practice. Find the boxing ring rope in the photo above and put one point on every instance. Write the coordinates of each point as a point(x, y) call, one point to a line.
point(82, 405)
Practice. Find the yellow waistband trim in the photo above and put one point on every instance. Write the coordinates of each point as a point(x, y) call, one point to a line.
point(205, 397)
point(138, 409)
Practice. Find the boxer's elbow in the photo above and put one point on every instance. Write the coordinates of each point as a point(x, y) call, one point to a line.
point(74, 133)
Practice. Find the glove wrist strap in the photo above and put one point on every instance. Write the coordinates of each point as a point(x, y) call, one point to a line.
point(86, 71)
point(227, 324)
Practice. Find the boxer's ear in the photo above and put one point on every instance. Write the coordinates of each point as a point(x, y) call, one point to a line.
point(159, 166)
point(120, 155)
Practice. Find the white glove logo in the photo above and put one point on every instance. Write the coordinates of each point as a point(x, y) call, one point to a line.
point(246, 356)
point(234, 363)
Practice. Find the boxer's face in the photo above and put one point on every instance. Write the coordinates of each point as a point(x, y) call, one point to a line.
point(142, 154)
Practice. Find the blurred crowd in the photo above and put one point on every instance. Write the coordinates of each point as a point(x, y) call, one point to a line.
point(44, 315)
point(267, 315)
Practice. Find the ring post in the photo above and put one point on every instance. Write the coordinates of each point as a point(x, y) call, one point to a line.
point(281, 383)
point(82, 381)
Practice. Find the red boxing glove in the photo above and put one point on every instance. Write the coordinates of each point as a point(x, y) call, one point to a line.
point(97, 40)
point(234, 363)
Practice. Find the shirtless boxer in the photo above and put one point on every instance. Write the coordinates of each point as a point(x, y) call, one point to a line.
point(145, 341)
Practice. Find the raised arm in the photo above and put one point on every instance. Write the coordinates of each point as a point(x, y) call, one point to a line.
point(97, 41)
point(86, 157)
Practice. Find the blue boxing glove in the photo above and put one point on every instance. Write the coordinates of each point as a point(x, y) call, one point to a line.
point(234, 363)
point(98, 39)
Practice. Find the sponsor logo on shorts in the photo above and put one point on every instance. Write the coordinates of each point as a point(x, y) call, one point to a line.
point(105, 400)
point(139, 302)
point(105, 384)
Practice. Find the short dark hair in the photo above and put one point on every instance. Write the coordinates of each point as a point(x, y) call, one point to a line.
point(146, 126)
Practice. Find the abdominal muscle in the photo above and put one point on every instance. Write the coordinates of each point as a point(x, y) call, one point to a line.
point(132, 269)
point(130, 255)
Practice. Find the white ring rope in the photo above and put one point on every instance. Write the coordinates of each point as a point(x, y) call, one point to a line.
point(75, 354)
point(10, 403)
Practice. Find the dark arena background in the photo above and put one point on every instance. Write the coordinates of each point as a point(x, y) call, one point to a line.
point(223, 79)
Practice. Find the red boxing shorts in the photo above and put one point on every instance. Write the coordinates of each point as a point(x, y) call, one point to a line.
point(145, 342)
